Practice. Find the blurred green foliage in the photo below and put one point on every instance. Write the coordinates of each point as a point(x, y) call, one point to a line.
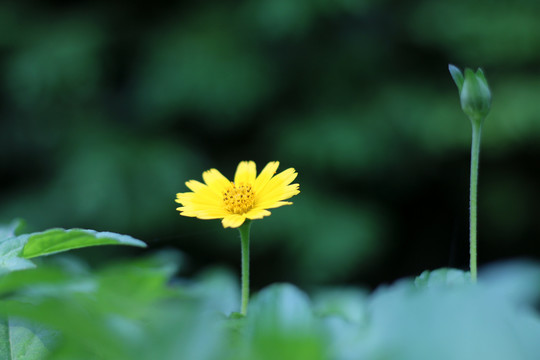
point(137, 310)
point(107, 110)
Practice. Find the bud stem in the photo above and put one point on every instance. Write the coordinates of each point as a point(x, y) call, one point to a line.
point(244, 239)
point(475, 155)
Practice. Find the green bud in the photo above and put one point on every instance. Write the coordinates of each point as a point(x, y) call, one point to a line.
point(474, 92)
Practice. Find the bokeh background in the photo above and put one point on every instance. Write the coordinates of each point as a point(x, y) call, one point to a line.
point(107, 110)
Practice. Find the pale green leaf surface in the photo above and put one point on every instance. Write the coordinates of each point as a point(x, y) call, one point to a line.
point(281, 325)
point(20, 340)
point(442, 277)
point(33, 279)
point(446, 317)
point(515, 280)
point(10, 230)
point(10, 249)
point(8, 264)
point(219, 289)
point(281, 307)
point(347, 303)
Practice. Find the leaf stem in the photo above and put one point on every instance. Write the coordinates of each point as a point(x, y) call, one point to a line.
point(475, 155)
point(244, 239)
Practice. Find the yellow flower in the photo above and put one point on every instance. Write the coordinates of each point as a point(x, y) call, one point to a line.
point(248, 197)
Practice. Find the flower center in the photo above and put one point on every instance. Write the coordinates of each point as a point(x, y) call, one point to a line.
point(238, 199)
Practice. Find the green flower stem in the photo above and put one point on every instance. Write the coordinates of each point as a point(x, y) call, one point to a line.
point(244, 238)
point(475, 155)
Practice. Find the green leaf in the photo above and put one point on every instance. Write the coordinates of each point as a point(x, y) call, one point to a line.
point(58, 240)
point(281, 307)
point(443, 277)
point(31, 279)
point(132, 308)
point(219, 289)
point(11, 230)
point(450, 322)
point(15, 250)
point(516, 280)
point(280, 325)
point(457, 75)
point(21, 340)
point(348, 303)
point(8, 264)
point(10, 248)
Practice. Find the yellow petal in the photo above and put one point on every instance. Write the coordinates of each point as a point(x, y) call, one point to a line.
point(282, 179)
point(216, 181)
point(257, 214)
point(195, 185)
point(186, 212)
point(245, 173)
point(205, 198)
point(233, 221)
point(265, 175)
point(271, 205)
point(212, 214)
point(278, 188)
point(282, 193)
point(183, 197)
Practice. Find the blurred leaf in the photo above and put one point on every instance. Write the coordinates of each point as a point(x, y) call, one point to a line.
point(135, 313)
point(12, 263)
point(219, 289)
point(515, 280)
point(21, 340)
point(282, 19)
point(443, 277)
point(281, 325)
point(280, 308)
point(57, 56)
point(10, 230)
point(462, 321)
point(345, 339)
point(348, 303)
point(31, 278)
point(125, 287)
point(132, 313)
point(461, 29)
point(10, 248)
point(58, 240)
point(137, 194)
point(204, 65)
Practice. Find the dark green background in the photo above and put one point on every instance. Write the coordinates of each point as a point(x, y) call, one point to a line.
point(107, 110)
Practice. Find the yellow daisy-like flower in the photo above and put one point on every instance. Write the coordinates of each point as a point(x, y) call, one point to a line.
point(247, 197)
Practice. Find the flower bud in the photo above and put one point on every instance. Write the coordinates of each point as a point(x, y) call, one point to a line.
point(474, 92)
